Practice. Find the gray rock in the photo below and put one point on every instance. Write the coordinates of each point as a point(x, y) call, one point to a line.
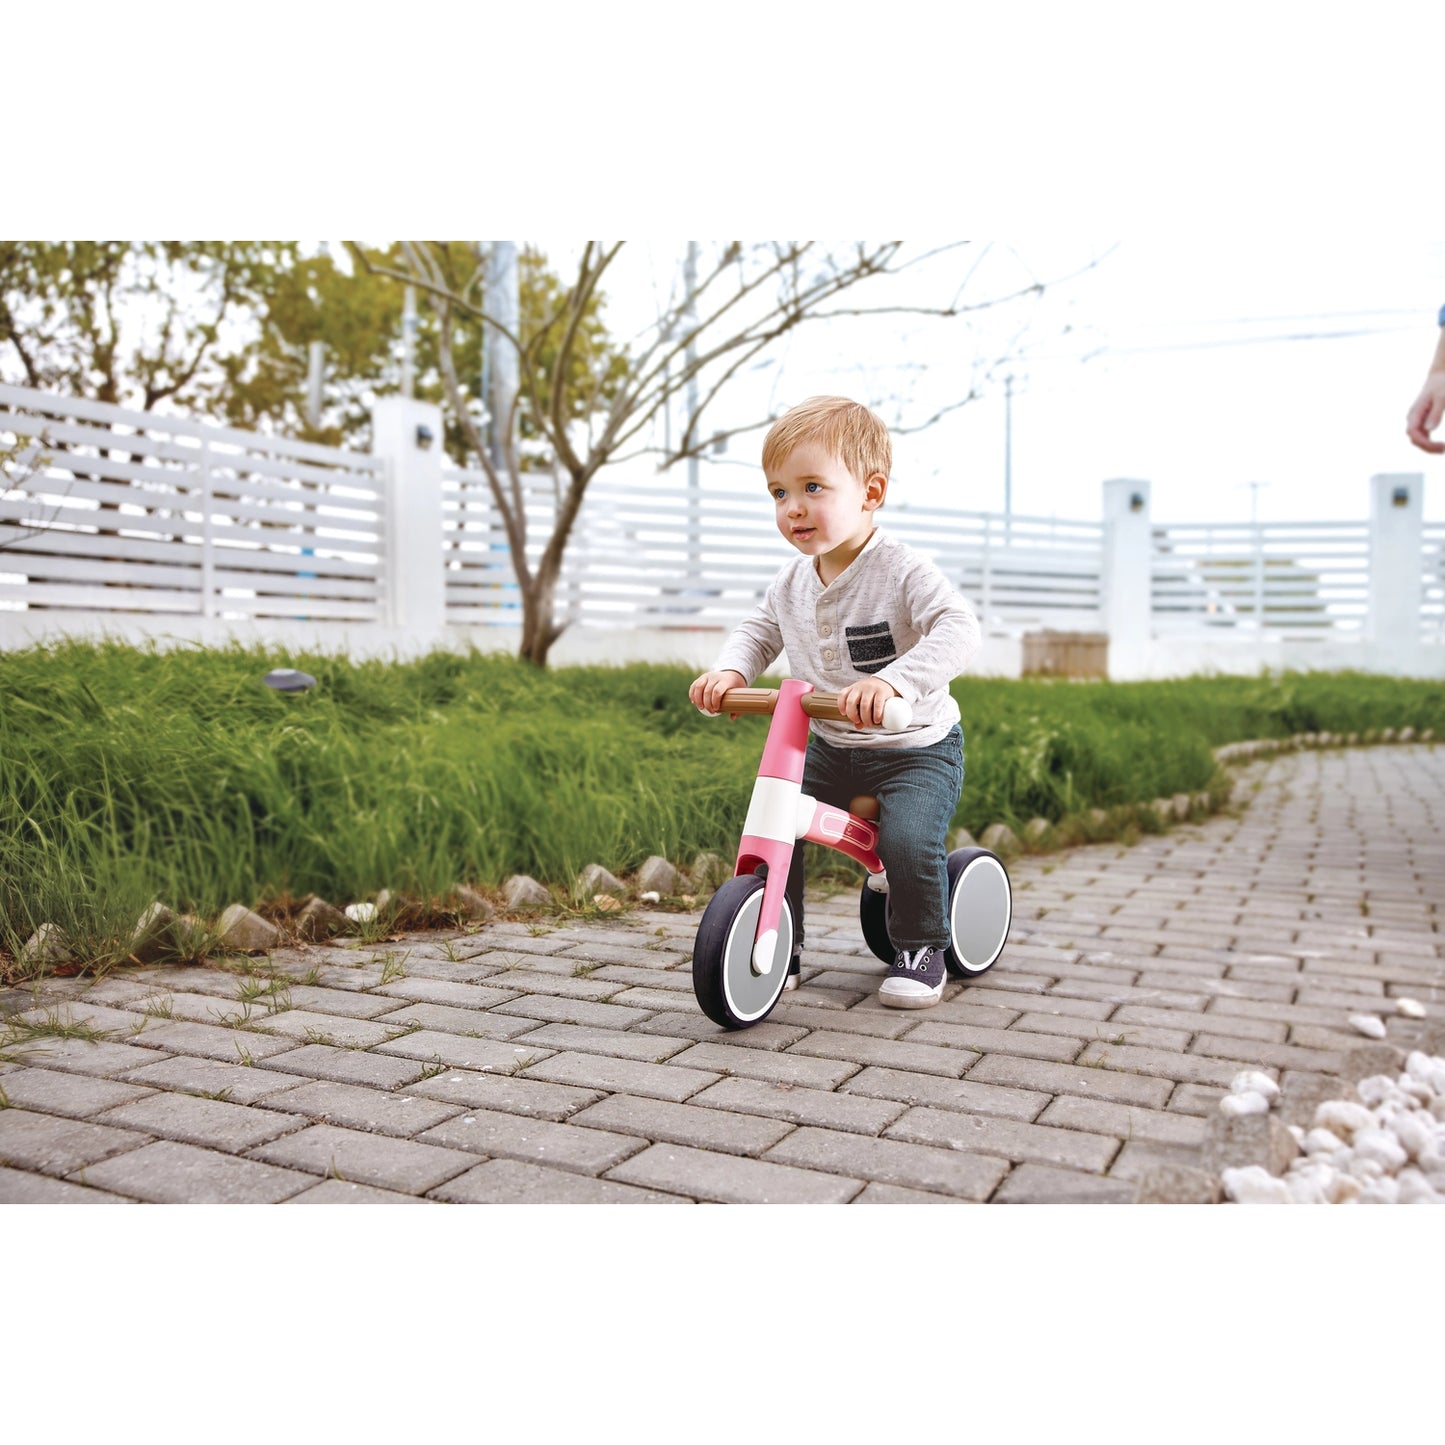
point(1001, 839)
point(154, 934)
point(1365, 1060)
point(657, 875)
point(961, 838)
point(1098, 820)
point(520, 891)
point(1176, 1184)
point(320, 919)
point(1163, 809)
point(1304, 1093)
point(1235, 1141)
point(47, 944)
point(471, 904)
point(1182, 805)
point(1202, 803)
point(1427, 735)
point(1038, 832)
point(594, 879)
point(395, 904)
point(192, 939)
point(1407, 735)
point(241, 931)
point(710, 871)
point(1387, 735)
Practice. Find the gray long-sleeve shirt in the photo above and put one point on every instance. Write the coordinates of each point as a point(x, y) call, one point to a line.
point(891, 614)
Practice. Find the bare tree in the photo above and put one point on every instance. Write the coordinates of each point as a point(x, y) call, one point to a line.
point(589, 405)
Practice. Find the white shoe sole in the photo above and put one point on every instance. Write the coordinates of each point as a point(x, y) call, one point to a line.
point(906, 994)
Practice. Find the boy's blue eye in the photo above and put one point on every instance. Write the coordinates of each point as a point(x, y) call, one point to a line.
point(814, 487)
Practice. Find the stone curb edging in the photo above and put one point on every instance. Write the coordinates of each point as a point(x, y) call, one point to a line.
point(162, 934)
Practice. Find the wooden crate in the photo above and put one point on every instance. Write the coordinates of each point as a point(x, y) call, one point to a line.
point(1065, 654)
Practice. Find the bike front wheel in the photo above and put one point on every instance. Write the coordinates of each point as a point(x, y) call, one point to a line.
point(728, 989)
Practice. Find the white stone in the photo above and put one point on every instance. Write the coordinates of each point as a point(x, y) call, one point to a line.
point(1342, 1189)
point(1417, 1089)
point(1251, 1081)
point(1376, 1089)
point(1322, 1141)
point(1412, 1008)
point(1415, 1189)
point(360, 912)
point(1368, 1024)
point(1366, 1168)
point(1306, 1189)
point(1413, 1132)
point(1254, 1185)
point(1385, 1190)
point(1238, 1104)
point(649, 897)
point(1343, 1117)
point(1382, 1147)
point(1297, 1134)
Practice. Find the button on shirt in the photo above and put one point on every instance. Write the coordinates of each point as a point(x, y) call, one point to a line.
point(890, 614)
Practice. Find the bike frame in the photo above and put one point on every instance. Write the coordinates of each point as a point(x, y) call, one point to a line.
point(781, 815)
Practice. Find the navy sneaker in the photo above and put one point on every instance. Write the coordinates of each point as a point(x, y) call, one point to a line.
point(795, 972)
point(916, 979)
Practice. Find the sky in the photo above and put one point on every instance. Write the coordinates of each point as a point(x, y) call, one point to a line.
point(1241, 375)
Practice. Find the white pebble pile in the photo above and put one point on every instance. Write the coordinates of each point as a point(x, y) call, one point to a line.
point(1387, 1148)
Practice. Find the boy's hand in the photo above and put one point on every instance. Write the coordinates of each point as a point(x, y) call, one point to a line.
point(862, 703)
point(706, 692)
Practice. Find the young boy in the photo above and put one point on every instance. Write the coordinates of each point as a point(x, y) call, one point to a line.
point(863, 615)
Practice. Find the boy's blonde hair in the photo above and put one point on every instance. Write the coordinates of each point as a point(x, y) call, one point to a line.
point(852, 433)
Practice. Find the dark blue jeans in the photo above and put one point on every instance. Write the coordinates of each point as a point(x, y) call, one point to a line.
point(917, 791)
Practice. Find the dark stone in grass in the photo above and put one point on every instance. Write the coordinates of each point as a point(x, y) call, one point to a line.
point(319, 919)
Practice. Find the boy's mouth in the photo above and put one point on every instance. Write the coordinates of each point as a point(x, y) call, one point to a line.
point(801, 534)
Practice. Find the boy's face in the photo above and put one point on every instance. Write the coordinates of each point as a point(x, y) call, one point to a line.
point(821, 505)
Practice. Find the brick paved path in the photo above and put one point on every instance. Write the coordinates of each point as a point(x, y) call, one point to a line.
point(570, 1063)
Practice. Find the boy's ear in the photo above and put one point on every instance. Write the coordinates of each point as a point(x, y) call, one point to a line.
point(875, 488)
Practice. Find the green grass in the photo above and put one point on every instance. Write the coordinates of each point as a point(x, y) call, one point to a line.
point(130, 775)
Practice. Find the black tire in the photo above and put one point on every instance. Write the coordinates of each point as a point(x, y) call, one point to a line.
point(873, 915)
point(980, 909)
point(727, 989)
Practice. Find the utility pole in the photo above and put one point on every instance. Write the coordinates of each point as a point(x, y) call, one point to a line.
point(694, 485)
point(503, 302)
point(1008, 458)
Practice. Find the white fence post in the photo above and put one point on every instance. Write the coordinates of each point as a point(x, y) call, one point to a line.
point(407, 434)
point(1392, 625)
point(1126, 577)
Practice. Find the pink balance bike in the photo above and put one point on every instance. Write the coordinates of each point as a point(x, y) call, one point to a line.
point(745, 940)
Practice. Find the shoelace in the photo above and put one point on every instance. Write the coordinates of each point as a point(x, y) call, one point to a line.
point(915, 964)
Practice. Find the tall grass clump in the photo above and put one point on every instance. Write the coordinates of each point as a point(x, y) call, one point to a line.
point(129, 775)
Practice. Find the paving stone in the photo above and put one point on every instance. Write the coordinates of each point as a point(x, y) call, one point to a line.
point(338, 1002)
point(1097, 1116)
point(211, 1123)
point(75, 1096)
point(80, 1056)
point(890, 1161)
point(118, 1025)
point(1201, 1100)
point(351, 1106)
point(629, 955)
point(893, 1194)
point(1043, 1184)
point(505, 1093)
point(58, 1146)
point(313, 1028)
point(1162, 1063)
point(727, 1056)
point(1235, 1026)
point(447, 1019)
point(18, 1187)
point(1279, 1056)
point(1005, 1138)
point(235, 1081)
point(672, 1080)
point(170, 1173)
point(695, 1027)
point(1032, 1045)
point(648, 1048)
point(1175, 1184)
point(885, 1053)
point(343, 1191)
point(512, 1181)
point(538, 1141)
point(547, 1008)
point(1140, 1157)
point(1087, 1083)
point(408, 1165)
point(213, 1041)
point(1108, 1030)
point(982, 993)
point(795, 1104)
point(726, 1179)
point(346, 1066)
point(939, 1093)
point(463, 1053)
point(703, 1128)
point(563, 985)
point(459, 995)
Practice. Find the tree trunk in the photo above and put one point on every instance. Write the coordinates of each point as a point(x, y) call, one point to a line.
point(539, 601)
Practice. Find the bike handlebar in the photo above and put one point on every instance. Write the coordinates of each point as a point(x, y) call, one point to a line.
point(897, 713)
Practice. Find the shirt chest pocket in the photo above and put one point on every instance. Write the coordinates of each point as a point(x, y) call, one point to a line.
point(870, 648)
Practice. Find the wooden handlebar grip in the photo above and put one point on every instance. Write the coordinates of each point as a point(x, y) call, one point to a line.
point(749, 700)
